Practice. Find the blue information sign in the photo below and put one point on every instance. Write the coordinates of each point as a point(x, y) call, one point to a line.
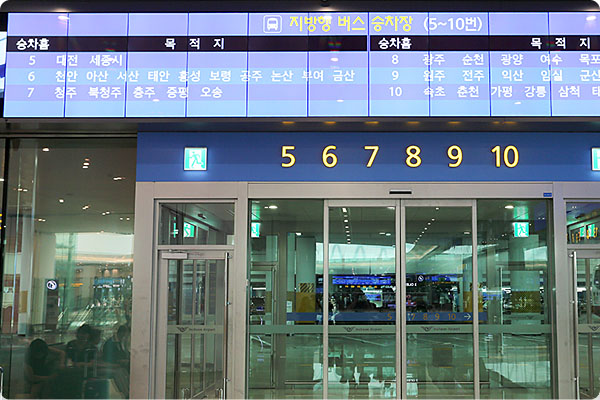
point(303, 64)
point(376, 157)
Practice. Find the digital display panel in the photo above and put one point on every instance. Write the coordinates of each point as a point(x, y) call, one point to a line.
point(383, 64)
point(361, 280)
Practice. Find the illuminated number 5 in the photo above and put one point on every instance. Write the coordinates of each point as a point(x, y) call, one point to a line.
point(327, 156)
point(374, 150)
point(284, 154)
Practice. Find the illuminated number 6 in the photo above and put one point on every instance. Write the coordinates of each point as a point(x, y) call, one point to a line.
point(326, 156)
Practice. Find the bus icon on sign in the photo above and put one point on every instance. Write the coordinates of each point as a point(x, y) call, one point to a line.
point(52, 284)
point(272, 24)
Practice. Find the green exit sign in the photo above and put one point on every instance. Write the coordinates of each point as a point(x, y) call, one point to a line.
point(596, 159)
point(189, 230)
point(521, 229)
point(194, 159)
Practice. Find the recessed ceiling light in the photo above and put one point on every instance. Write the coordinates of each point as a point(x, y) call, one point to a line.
point(382, 233)
point(391, 208)
point(433, 219)
point(429, 223)
point(85, 207)
point(509, 206)
point(273, 207)
point(118, 178)
point(388, 234)
point(46, 149)
point(344, 210)
point(297, 233)
point(61, 200)
point(437, 209)
point(345, 220)
point(467, 232)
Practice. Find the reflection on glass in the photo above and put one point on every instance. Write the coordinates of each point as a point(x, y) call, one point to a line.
point(515, 335)
point(66, 307)
point(362, 290)
point(285, 306)
point(583, 221)
point(588, 302)
point(439, 302)
point(196, 223)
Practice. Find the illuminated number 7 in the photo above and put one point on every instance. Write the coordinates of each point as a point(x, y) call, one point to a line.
point(374, 150)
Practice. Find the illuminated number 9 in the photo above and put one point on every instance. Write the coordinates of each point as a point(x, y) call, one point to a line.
point(413, 160)
point(327, 156)
point(285, 154)
point(455, 153)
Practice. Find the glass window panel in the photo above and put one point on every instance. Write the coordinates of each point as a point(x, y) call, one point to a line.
point(583, 221)
point(285, 306)
point(196, 223)
point(439, 303)
point(515, 334)
point(68, 268)
point(362, 291)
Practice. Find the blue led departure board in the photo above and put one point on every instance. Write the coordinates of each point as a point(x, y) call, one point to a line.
point(302, 64)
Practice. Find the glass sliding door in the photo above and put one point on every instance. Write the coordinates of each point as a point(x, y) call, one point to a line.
point(439, 300)
point(474, 282)
point(515, 349)
point(285, 342)
point(362, 302)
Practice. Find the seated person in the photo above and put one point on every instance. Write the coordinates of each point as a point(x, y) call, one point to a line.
point(42, 366)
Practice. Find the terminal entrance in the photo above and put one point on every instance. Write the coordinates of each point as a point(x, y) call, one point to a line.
point(356, 299)
point(375, 299)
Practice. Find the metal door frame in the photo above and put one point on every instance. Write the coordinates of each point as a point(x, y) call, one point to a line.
point(164, 256)
point(584, 252)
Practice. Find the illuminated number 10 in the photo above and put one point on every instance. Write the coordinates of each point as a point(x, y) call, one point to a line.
point(507, 150)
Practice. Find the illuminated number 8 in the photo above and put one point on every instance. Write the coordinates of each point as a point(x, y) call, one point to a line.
point(413, 160)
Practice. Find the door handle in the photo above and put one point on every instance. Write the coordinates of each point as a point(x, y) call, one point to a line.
point(185, 391)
